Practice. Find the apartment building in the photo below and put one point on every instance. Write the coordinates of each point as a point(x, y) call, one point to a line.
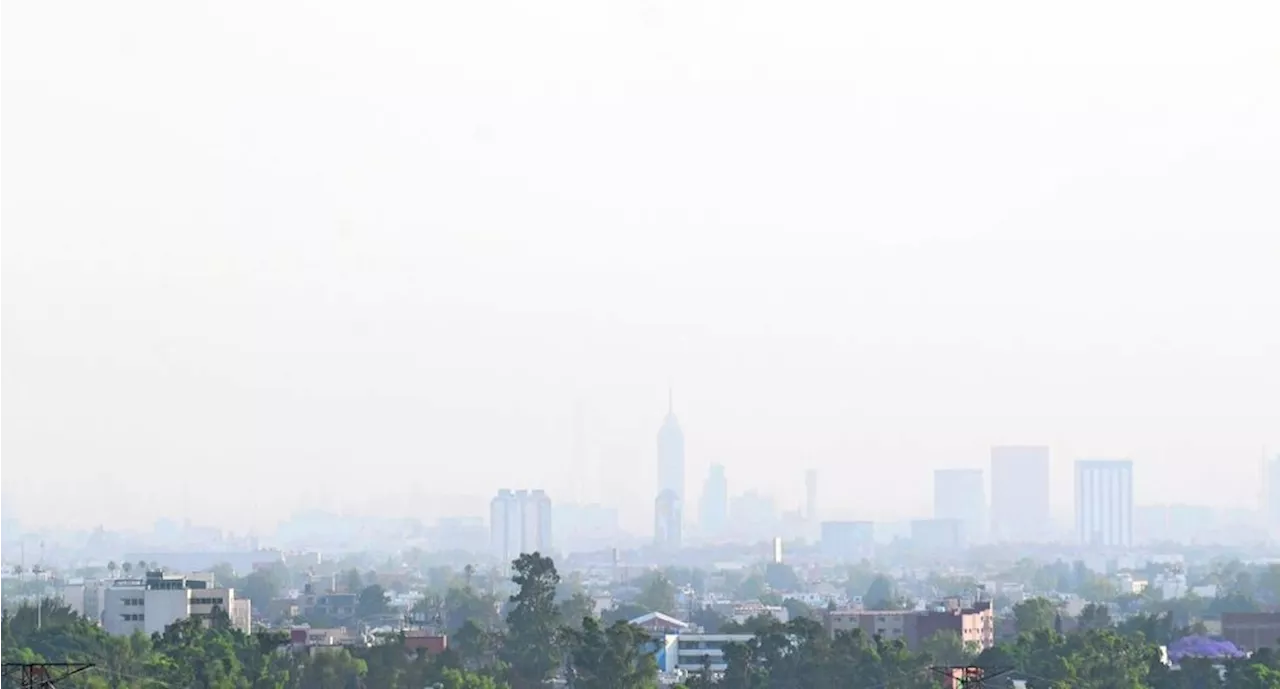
point(691, 652)
point(150, 604)
point(85, 598)
point(974, 624)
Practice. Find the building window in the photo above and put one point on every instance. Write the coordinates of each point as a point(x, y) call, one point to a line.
point(206, 601)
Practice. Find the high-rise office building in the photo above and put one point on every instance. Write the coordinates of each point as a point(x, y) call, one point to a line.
point(714, 507)
point(671, 454)
point(1020, 493)
point(519, 523)
point(667, 521)
point(960, 495)
point(1104, 503)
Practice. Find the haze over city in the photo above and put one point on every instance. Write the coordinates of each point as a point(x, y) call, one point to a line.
point(371, 259)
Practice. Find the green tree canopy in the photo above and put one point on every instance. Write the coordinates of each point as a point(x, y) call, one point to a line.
point(533, 621)
point(1035, 614)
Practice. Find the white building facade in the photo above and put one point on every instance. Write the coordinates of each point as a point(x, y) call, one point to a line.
point(1104, 503)
point(150, 605)
point(520, 523)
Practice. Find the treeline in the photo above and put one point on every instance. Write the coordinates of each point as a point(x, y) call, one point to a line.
point(531, 645)
point(536, 641)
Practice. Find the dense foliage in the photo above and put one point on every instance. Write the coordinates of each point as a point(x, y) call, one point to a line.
point(546, 631)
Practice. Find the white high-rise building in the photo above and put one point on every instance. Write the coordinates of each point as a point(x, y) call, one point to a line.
point(1020, 493)
point(671, 454)
point(960, 495)
point(519, 523)
point(1104, 503)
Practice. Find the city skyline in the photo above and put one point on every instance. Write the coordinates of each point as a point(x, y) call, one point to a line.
point(870, 239)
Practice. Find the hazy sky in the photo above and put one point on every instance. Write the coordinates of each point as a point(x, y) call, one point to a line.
point(265, 255)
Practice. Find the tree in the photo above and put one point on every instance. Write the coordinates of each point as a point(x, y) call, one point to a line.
point(476, 647)
point(707, 618)
point(353, 581)
point(609, 658)
point(372, 601)
point(948, 648)
point(858, 579)
point(1034, 614)
point(459, 679)
point(260, 586)
point(112, 567)
point(798, 608)
point(462, 605)
point(1097, 588)
point(578, 607)
point(223, 574)
point(881, 594)
point(127, 567)
point(532, 622)
point(1095, 616)
point(623, 612)
point(751, 588)
point(657, 594)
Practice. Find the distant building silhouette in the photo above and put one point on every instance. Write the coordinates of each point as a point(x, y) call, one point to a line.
point(519, 523)
point(848, 541)
point(753, 517)
point(714, 507)
point(1019, 493)
point(671, 453)
point(667, 521)
point(961, 495)
point(1104, 503)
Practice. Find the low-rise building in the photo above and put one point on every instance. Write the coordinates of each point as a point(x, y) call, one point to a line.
point(693, 652)
point(740, 612)
point(85, 598)
point(975, 624)
point(678, 647)
point(151, 604)
point(1251, 630)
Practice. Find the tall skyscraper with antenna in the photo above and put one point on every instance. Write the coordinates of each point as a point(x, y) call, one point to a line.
point(671, 453)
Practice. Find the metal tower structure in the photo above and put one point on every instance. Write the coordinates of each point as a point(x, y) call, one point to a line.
point(969, 676)
point(40, 675)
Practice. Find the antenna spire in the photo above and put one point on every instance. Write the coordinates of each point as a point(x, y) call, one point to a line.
point(671, 407)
